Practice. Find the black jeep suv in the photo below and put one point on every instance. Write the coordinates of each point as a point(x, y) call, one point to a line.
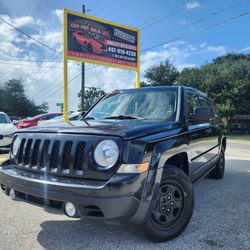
point(132, 158)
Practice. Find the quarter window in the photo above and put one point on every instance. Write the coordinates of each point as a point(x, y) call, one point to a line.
point(203, 101)
point(192, 102)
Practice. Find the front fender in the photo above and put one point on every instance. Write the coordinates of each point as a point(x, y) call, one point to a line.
point(161, 153)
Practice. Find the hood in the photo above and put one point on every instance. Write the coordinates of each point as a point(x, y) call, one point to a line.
point(127, 129)
point(7, 128)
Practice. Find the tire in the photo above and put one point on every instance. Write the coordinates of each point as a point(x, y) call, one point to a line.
point(219, 170)
point(173, 207)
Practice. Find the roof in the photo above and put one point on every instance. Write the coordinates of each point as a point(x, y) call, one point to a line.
point(159, 88)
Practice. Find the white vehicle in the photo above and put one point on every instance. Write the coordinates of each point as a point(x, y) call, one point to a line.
point(7, 129)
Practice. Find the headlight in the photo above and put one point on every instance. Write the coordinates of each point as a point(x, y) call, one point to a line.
point(15, 146)
point(106, 154)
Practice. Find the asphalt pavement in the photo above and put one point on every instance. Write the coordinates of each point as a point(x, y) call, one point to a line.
point(221, 218)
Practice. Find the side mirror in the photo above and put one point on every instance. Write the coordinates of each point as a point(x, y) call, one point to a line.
point(1, 137)
point(201, 114)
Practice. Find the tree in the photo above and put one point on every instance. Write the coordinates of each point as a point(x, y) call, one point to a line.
point(91, 96)
point(164, 74)
point(14, 101)
point(226, 80)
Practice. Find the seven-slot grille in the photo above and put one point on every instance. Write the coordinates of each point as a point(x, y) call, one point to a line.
point(52, 156)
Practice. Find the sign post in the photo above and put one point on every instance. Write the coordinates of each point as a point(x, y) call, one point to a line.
point(98, 41)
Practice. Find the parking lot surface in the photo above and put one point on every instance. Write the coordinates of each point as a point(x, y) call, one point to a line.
point(221, 218)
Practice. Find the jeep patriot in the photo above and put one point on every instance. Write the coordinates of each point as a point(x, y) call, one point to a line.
point(133, 157)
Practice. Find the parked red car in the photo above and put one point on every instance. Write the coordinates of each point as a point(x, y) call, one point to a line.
point(89, 41)
point(33, 121)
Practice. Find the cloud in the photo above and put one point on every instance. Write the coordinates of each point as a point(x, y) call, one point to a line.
point(217, 49)
point(245, 49)
point(193, 5)
point(176, 52)
point(59, 14)
point(51, 38)
point(13, 44)
point(27, 21)
point(202, 45)
point(44, 81)
point(183, 22)
point(179, 53)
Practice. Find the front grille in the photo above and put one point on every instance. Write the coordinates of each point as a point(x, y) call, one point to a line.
point(52, 156)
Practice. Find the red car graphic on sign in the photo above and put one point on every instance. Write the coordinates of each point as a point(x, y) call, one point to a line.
point(90, 42)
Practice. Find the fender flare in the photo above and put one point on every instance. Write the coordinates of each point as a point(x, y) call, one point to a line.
point(162, 152)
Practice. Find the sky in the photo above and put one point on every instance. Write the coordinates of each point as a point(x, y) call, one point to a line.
point(191, 33)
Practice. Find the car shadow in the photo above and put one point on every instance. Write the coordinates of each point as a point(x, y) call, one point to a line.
point(87, 234)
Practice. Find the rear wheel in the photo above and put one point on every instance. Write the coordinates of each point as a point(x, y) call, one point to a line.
point(173, 207)
point(218, 171)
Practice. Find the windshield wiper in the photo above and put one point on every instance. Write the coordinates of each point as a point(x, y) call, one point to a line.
point(87, 118)
point(122, 117)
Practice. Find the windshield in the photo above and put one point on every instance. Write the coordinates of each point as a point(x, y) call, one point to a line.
point(4, 119)
point(152, 105)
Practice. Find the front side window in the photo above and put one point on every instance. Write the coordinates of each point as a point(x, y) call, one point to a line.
point(152, 105)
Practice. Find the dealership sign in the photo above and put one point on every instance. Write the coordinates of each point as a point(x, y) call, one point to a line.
point(94, 40)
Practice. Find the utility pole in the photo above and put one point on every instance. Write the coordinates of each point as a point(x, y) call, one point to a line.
point(83, 75)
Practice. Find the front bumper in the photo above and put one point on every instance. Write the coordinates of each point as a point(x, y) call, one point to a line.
point(118, 200)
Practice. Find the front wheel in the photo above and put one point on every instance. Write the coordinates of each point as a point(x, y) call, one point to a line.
point(173, 206)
